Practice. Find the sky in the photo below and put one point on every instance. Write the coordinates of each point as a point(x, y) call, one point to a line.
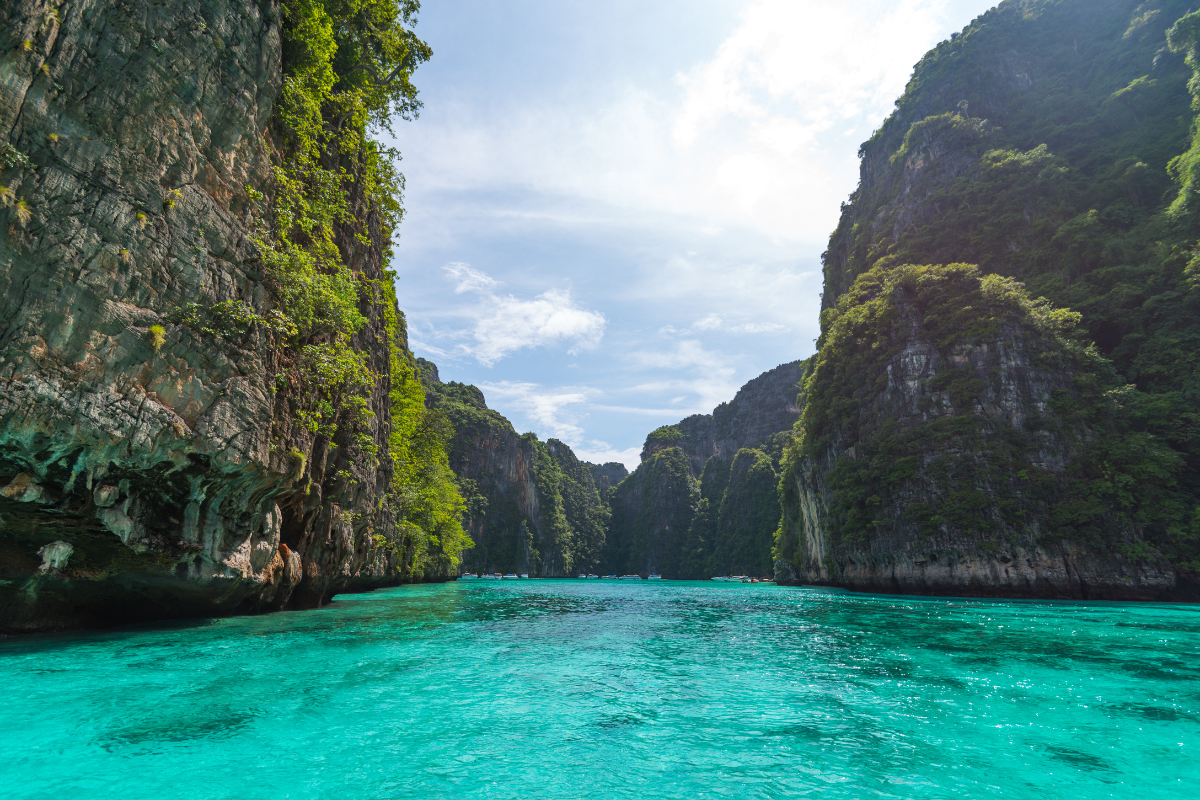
point(616, 211)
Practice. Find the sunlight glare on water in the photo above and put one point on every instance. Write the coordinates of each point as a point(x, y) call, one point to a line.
point(567, 689)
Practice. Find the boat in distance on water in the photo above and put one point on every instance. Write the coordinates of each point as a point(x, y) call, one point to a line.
point(525, 575)
point(655, 577)
point(610, 577)
point(511, 577)
point(631, 577)
point(732, 579)
point(468, 576)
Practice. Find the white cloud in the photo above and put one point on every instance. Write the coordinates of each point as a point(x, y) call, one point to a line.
point(792, 70)
point(752, 135)
point(598, 452)
point(547, 408)
point(712, 384)
point(714, 322)
point(468, 279)
point(504, 324)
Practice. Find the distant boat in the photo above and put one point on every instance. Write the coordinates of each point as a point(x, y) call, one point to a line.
point(468, 576)
point(487, 576)
point(582, 577)
point(511, 577)
point(655, 577)
point(631, 577)
point(525, 575)
point(610, 577)
point(593, 577)
point(722, 579)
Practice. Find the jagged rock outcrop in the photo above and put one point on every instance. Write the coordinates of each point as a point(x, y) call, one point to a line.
point(607, 475)
point(146, 469)
point(532, 506)
point(762, 408)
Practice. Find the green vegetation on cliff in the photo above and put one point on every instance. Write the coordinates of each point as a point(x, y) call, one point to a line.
point(347, 70)
point(966, 458)
point(534, 506)
point(1048, 143)
point(652, 512)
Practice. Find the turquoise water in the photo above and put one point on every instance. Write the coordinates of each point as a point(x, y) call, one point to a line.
point(569, 689)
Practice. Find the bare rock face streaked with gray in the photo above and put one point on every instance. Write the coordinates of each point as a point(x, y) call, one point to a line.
point(607, 475)
point(143, 478)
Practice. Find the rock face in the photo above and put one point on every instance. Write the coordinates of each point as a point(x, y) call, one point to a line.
point(608, 475)
point(146, 469)
point(955, 454)
point(978, 448)
point(533, 506)
point(761, 409)
point(673, 516)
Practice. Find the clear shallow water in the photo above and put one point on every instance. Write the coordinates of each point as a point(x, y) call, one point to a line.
point(567, 689)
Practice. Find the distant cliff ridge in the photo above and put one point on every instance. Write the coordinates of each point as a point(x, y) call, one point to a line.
point(533, 507)
point(607, 475)
point(703, 500)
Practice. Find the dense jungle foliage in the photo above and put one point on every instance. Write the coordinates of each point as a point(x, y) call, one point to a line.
point(1051, 142)
point(732, 530)
point(666, 520)
point(347, 73)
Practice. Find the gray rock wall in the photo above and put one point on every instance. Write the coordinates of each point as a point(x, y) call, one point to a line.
point(144, 477)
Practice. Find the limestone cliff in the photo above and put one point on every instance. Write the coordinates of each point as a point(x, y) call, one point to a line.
point(147, 468)
point(675, 516)
point(976, 451)
point(607, 475)
point(954, 441)
point(533, 507)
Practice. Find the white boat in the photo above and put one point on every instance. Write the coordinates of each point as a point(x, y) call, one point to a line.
point(593, 577)
point(511, 577)
point(610, 577)
point(722, 579)
point(468, 576)
point(487, 576)
point(631, 577)
point(655, 578)
point(582, 577)
point(525, 575)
